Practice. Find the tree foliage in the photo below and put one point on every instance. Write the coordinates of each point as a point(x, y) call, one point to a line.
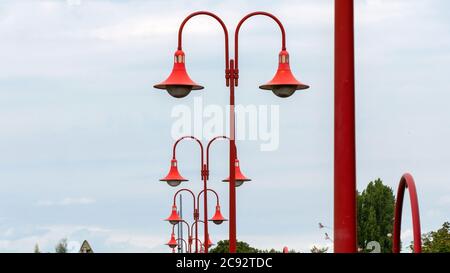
point(61, 247)
point(375, 215)
point(36, 249)
point(241, 247)
point(436, 241)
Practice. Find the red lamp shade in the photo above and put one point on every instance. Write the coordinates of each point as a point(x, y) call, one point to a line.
point(240, 178)
point(173, 178)
point(172, 242)
point(218, 218)
point(210, 243)
point(174, 218)
point(284, 84)
point(179, 84)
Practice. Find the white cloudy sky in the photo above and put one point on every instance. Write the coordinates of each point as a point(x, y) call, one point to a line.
point(84, 137)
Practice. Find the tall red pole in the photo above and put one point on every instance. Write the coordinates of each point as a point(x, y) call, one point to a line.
point(205, 207)
point(232, 184)
point(344, 131)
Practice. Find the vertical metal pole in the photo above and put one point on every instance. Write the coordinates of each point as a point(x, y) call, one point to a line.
point(180, 226)
point(232, 216)
point(344, 131)
point(205, 208)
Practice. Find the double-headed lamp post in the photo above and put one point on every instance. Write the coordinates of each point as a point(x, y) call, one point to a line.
point(283, 85)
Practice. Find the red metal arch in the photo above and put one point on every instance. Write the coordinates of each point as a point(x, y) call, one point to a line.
point(407, 181)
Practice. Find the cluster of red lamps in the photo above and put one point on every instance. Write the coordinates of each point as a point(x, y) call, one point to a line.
point(175, 219)
point(179, 85)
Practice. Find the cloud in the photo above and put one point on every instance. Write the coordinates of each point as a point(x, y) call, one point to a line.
point(78, 114)
point(101, 239)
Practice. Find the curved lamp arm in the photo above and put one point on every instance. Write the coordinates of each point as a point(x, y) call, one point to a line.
point(236, 38)
point(201, 150)
point(207, 151)
point(407, 181)
point(188, 246)
point(185, 243)
point(193, 197)
point(195, 223)
point(211, 190)
point(225, 30)
point(188, 227)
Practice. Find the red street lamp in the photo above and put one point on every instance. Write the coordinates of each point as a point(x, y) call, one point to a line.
point(239, 177)
point(172, 242)
point(283, 85)
point(217, 219)
point(174, 218)
point(179, 84)
point(173, 178)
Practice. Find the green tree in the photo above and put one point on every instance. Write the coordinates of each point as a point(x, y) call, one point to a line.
point(375, 215)
point(61, 247)
point(36, 249)
point(241, 247)
point(436, 241)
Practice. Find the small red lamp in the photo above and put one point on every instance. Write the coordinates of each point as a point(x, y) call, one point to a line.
point(172, 242)
point(210, 243)
point(284, 84)
point(240, 178)
point(179, 84)
point(174, 218)
point(218, 218)
point(173, 178)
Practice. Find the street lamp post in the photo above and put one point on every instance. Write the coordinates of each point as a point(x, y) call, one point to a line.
point(173, 243)
point(179, 85)
point(344, 131)
point(217, 219)
point(174, 178)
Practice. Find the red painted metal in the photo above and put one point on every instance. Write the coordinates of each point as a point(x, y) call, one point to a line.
point(172, 242)
point(203, 177)
point(196, 212)
point(407, 181)
point(225, 30)
point(218, 217)
point(239, 176)
point(174, 218)
point(232, 158)
point(284, 80)
point(179, 78)
point(236, 37)
point(175, 145)
point(344, 136)
point(187, 247)
point(173, 178)
point(210, 243)
point(285, 249)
